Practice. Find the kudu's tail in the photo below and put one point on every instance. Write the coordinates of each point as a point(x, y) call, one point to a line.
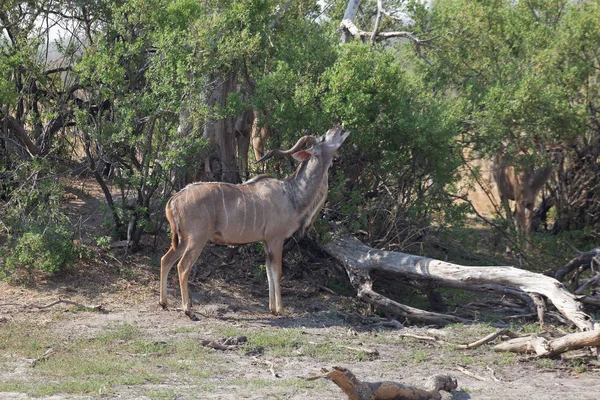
point(173, 222)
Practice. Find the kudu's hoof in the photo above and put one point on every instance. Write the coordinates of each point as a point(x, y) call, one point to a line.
point(192, 316)
point(277, 314)
point(163, 306)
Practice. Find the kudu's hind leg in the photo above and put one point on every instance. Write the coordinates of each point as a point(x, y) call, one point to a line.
point(510, 218)
point(191, 254)
point(166, 263)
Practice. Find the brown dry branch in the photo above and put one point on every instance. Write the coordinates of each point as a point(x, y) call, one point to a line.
point(368, 295)
point(270, 365)
point(521, 316)
point(423, 338)
point(540, 305)
point(584, 260)
point(226, 343)
point(591, 300)
point(373, 353)
point(94, 307)
point(486, 339)
point(43, 357)
point(471, 374)
point(592, 282)
point(543, 347)
point(358, 390)
point(492, 374)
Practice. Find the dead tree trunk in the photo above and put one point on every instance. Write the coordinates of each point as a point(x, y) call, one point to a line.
point(359, 260)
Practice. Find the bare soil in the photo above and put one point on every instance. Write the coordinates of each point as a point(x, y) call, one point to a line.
point(230, 296)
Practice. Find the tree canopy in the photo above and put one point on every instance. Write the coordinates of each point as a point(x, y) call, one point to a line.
point(145, 94)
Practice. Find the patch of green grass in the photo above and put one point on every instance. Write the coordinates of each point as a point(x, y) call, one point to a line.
point(342, 287)
point(259, 273)
point(277, 342)
point(420, 357)
point(507, 359)
point(465, 360)
point(25, 339)
point(293, 383)
point(160, 394)
point(579, 365)
point(335, 351)
point(284, 342)
point(123, 331)
point(531, 328)
point(546, 363)
point(184, 329)
point(121, 355)
point(229, 331)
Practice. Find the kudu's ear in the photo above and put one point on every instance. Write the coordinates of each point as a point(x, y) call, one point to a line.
point(302, 155)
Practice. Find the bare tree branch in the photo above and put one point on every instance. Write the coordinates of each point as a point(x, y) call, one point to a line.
point(15, 126)
point(348, 25)
point(377, 21)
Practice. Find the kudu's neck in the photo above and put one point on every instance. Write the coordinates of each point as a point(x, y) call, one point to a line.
point(308, 185)
point(539, 177)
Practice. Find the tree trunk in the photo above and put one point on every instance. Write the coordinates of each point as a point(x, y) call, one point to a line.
point(349, 14)
point(222, 134)
point(359, 260)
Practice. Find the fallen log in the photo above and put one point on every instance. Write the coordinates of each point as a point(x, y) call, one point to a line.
point(358, 390)
point(359, 260)
point(543, 347)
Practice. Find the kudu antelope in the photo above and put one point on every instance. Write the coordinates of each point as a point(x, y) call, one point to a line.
point(262, 209)
point(522, 184)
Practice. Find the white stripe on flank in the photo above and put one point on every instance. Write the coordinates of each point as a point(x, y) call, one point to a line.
point(244, 202)
point(264, 219)
point(254, 205)
point(224, 207)
point(212, 198)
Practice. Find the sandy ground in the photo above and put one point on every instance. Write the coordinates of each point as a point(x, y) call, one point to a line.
point(523, 379)
point(233, 300)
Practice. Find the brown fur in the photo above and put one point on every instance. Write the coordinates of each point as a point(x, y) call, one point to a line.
point(521, 185)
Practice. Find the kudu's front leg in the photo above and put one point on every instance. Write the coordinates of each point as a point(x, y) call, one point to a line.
point(274, 251)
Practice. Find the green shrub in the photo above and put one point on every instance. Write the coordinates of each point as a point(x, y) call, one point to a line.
point(37, 235)
point(50, 250)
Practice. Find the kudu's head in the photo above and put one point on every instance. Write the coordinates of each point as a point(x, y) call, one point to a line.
point(518, 179)
point(324, 148)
